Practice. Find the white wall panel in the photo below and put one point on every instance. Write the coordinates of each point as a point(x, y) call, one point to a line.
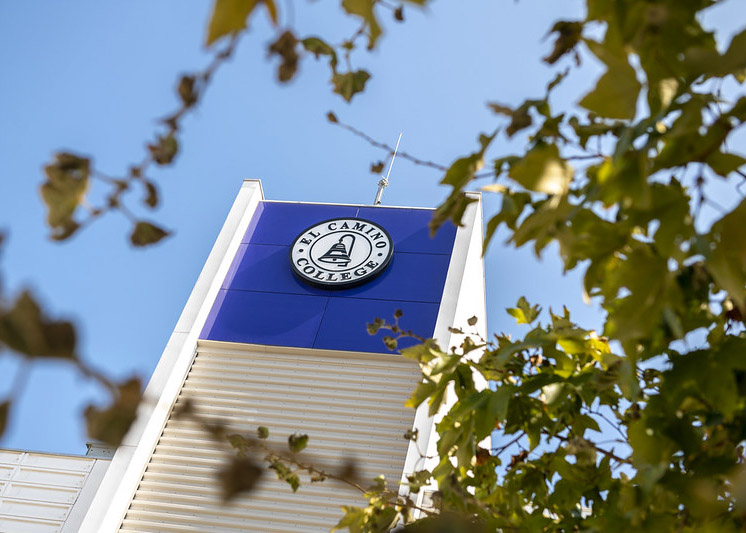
point(40, 490)
point(351, 406)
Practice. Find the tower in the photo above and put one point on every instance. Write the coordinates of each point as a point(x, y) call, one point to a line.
point(274, 335)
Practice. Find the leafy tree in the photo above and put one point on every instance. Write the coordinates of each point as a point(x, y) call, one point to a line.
point(638, 427)
point(618, 183)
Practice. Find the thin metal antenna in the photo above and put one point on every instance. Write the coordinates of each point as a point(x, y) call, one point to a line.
point(384, 181)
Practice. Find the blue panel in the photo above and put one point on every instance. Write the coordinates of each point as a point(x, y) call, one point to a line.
point(409, 229)
point(265, 318)
point(343, 326)
point(263, 267)
point(280, 223)
point(409, 277)
point(262, 302)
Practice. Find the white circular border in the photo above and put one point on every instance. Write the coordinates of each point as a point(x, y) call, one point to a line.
point(340, 284)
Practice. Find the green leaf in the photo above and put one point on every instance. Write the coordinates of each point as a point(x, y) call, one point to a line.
point(534, 437)
point(493, 411)
point(238, 443)
point(520, 118)
point(585, 131)
point(542, 170)
point(513, 205)
point(349, 84)
point(706, 60)
point(365, 10)
point(353, 519)
point(422, 353)
point(727, 261)
point(589, 237)
point(525, 313)
point(436, 400)
point(453, 208)
point(624, 178)
point(319, 47)
point(145, 233)
point(582, 422)
point(568, 36)
point(26, 330)
point(468, 404)
point(390, 342)
point(616, 92)
point(262, 432)
point(297, 443)
point(499, 400)
point(463, 169)
point(375, 326)
point(649, 446)
point(421, 393)
point(284, 473)
point(645, 275)
point(724, 163)
point(670, 206)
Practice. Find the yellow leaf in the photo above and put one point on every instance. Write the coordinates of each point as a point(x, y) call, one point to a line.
point(230, 16)
point(494, 187)
point(667, 89)
point(272, 10)
point(364, 10)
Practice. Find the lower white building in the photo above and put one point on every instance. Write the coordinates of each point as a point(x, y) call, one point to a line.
point(48, 493)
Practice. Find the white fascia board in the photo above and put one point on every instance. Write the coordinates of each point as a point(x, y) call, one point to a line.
point(130, 460)
point(86, 496)
point(463, 297)
point(379, 206)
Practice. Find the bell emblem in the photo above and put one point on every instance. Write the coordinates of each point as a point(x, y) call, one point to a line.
point(339, 253)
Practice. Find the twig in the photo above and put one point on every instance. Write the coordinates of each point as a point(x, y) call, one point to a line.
point(501, 449)
point(607, 453)
point(383, 146)
point(136, 172)
point(583, 157)
point(89, 372)
point(273, 453)
point(611, 423)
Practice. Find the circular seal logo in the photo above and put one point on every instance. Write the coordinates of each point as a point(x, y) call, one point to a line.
point(341, 252)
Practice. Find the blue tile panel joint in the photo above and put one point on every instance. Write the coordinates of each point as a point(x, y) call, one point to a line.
point(261, 301)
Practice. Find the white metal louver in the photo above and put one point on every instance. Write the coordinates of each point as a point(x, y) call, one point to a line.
point(350, 404)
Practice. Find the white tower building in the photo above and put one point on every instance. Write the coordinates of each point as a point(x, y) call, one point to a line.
point(274, 335)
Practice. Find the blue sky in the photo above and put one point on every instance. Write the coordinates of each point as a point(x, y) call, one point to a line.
point(93, 77)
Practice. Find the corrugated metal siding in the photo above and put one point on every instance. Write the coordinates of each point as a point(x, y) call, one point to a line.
point(37, 491)
point(350, 405)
